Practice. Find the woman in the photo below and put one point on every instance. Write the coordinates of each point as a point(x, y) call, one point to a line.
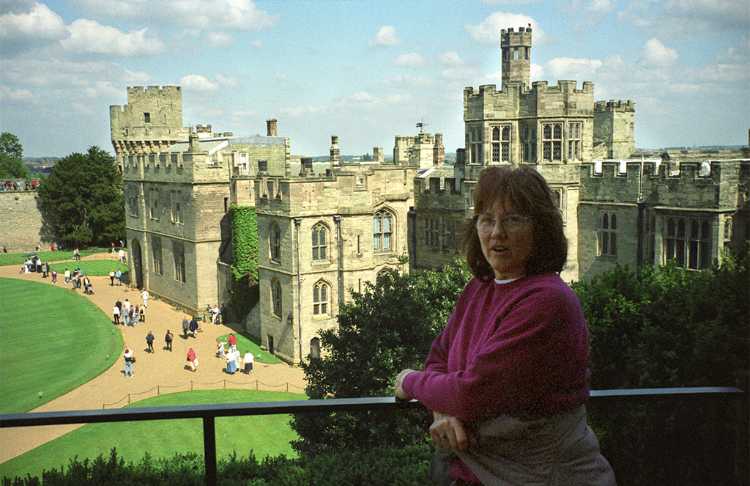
point(192, 359)
point(507, 378)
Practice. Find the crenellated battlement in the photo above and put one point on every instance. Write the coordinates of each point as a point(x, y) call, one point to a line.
point(511, 38)
point(562, 86)
point(154, 90)
point(614, 105)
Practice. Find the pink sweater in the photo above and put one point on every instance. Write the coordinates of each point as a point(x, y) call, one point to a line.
point(519, 348)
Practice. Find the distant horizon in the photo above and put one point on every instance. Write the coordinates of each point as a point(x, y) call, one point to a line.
point(364, 71)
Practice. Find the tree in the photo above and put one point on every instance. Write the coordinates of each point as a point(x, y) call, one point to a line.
point(81, 201)
point(11, 146)
point(669, 327)
point(385, 329)
point(11, 158)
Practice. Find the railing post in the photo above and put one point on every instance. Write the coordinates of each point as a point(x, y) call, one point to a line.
point(128, 398)
point(157, 390)
point(225, 384)
point(209, 450)
point(256, 385)
point(287, 387)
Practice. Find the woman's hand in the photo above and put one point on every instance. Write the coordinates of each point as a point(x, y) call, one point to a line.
point(448, 432)
point(398, 389)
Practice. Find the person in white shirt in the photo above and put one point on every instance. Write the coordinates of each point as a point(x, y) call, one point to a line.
point(144, 296)
point(249, 359)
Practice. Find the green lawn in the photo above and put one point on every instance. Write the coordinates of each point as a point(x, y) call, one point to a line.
point(46, 256)
point(265, 434)
point(92, 268)
point(244, 344)
point(51, 341)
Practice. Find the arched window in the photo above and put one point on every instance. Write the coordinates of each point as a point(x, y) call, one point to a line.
point(315, 348)
point(276, 297)
point(274, 242)
point(319, 242)
point(382, 231)
point(321, 291)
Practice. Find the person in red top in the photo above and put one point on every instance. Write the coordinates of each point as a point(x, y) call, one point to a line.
point(232, 341)
point(507, 378)
point(192, 359)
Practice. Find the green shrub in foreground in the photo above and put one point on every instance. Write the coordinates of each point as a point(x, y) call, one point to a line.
point(391, 466)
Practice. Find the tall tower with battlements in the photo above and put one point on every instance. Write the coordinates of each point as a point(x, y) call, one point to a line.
point(515, 47)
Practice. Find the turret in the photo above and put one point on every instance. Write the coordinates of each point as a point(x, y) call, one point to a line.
point(271, 127)
point(516, 56)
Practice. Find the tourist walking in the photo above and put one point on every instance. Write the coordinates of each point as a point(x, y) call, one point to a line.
point(129, 362)
point(121, 254)
point(76, 254)
point(192, 359)
point(150, 341)
point(232, 340)
point(168, 338)
point(54, 277)
point(185, 328)
point(248, 362)
point(118, 277)
point(144, 296)
point(116, 314)
point(194, 327)
point(112, 278)
point(66, 276)
point(220, 351)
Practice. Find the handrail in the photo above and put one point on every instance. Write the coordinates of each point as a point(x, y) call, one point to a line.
point(209, 412)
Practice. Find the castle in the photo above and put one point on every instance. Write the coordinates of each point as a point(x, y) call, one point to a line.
point(326, 229)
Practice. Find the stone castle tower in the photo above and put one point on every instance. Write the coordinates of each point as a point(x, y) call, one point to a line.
point(515, 48)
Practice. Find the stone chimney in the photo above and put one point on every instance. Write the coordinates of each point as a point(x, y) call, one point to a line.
point(438, 151)
point(377, 155)
point(335, 152)
point(271, 127)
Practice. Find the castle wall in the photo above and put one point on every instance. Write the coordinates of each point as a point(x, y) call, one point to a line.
point(20, 220)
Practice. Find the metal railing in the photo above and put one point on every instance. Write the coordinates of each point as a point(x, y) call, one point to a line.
point(208, 413)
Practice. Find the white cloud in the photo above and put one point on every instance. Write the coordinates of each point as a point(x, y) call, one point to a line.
point(657, 54)
point(17, 95)
point(196, 82)
point(227, 81)
point(451, 58)
point(241, 15)
point(537, 72)
point(23, 29)
point(411, 59)
point(488, 30)
point(599, 6)
point(219, 39)
point(386, 36)
point(572, 68)
point(92, 37)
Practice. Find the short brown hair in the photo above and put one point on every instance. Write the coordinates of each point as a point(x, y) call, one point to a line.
point(528, 193)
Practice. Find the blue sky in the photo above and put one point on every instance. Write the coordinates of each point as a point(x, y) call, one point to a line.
point(364, 70)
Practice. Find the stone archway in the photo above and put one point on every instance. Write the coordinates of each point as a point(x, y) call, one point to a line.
point(137, 260)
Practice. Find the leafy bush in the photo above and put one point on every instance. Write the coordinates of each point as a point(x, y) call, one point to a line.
point(407, 466)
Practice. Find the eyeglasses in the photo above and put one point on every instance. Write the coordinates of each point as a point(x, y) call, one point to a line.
point(511, 223)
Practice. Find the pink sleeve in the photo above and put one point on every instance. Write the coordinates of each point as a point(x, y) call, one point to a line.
point(513, 368)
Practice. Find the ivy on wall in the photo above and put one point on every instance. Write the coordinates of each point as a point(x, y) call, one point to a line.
point(244, 243)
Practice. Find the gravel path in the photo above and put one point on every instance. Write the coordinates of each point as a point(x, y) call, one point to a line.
point(162, 368)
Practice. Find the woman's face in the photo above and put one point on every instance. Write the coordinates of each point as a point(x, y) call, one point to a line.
point(506, 238)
